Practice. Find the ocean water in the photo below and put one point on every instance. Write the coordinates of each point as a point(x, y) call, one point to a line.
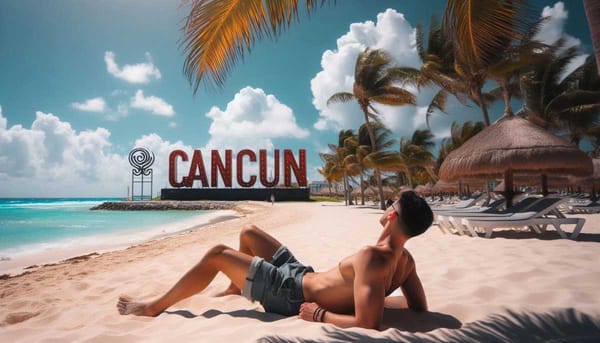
point(33, 225)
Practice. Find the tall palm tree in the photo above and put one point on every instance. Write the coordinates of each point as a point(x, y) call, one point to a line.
point(383, 159)
point(337, 159)
point(416, 155)
point(374, 83)
point(328, 171)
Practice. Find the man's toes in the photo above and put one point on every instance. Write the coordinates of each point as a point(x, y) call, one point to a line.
point(124, 298)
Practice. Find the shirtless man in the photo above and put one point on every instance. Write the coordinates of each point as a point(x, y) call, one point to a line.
point(351, 294)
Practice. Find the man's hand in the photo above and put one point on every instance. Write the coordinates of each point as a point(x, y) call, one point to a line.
point(307, 311)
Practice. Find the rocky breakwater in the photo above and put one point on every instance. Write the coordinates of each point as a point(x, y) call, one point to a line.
point(165, 205)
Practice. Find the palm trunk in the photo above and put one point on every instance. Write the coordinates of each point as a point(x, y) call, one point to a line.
point(345, 189)
point(592, 12)
point(362, 191)
point(506, 96)
point(373, 149)
point(478, 97)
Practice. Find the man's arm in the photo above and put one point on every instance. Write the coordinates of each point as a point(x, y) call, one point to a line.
point(369, 294)
point(414, 293)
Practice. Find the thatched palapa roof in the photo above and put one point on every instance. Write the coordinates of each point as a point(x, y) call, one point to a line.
point(513, 143)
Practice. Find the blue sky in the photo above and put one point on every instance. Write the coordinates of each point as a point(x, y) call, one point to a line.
point(84, 82)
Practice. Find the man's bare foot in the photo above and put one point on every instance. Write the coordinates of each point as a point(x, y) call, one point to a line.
point(231, 290)
point(126, 305)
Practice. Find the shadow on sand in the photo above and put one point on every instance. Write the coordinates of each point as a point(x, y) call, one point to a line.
point(565, 325)
point(262, 316)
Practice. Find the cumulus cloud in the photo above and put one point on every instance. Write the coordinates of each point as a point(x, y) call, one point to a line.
point(394, 34)
point(132, 73)
point(553, 29)
point(251, 120)
point(152, 104)
point(53, 159)
point(91, 105)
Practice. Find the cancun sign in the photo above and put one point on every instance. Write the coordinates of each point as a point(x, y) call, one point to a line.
point(223, 166)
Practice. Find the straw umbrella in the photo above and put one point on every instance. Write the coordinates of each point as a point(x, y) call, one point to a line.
point(424, 190)
point(592, 181)
point(511, 146)
point(445, 187)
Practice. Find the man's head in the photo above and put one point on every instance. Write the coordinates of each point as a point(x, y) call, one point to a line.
point(413, 213)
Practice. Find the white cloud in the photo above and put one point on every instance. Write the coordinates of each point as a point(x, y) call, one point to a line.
point(553, 29)
point(53, 159)
point(91, 105)
point(132, 73)
point(251, 120)
point(152, 104)
point(392, 33)
point(172, 124)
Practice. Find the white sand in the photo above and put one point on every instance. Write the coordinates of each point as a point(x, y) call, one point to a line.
point(549, 284)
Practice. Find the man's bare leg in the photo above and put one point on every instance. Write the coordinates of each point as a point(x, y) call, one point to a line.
point(231, 262)
point(253, 242)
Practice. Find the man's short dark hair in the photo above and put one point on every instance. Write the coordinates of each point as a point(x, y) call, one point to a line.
point(415, 213)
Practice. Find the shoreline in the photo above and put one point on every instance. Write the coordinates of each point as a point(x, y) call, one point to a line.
point(28, 262)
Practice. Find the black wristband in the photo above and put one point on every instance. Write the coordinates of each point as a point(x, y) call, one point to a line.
point(323, 315)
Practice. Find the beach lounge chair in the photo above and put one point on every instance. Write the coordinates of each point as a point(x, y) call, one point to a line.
point(441, 216)
point(447, 221)
point(537, 218)
point(592, 207)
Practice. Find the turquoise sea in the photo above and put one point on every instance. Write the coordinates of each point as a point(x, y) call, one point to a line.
point(33, 225)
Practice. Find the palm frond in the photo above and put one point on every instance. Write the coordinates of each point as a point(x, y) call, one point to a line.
point(437, 103)
point(340, 97)
point(216, 34)
point(483, 29)
point(394, 96)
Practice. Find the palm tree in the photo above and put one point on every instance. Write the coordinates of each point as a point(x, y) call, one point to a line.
point(337, 160)
point(328, 171)
point(515, 61)
point(382, 159)
point(374, 83)
point(481, 32)
point(569, 105)
point(416, 155)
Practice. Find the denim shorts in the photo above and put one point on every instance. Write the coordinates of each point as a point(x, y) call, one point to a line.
point(277, 285)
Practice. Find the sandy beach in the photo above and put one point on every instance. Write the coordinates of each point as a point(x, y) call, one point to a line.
point(515, 285)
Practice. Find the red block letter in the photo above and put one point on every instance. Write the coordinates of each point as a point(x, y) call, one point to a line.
point(239, 166)
point(263, 168)
point(217, 164)
point(173, 167)
point(299, 171)
point(197, 164)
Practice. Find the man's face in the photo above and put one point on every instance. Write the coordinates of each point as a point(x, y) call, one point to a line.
point(397, 208)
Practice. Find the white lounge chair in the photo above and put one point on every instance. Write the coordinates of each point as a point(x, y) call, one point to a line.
point(592, 207)
point(447, 220)
point(539, 216)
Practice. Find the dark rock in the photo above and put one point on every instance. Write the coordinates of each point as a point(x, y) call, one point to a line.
point(165, 205)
